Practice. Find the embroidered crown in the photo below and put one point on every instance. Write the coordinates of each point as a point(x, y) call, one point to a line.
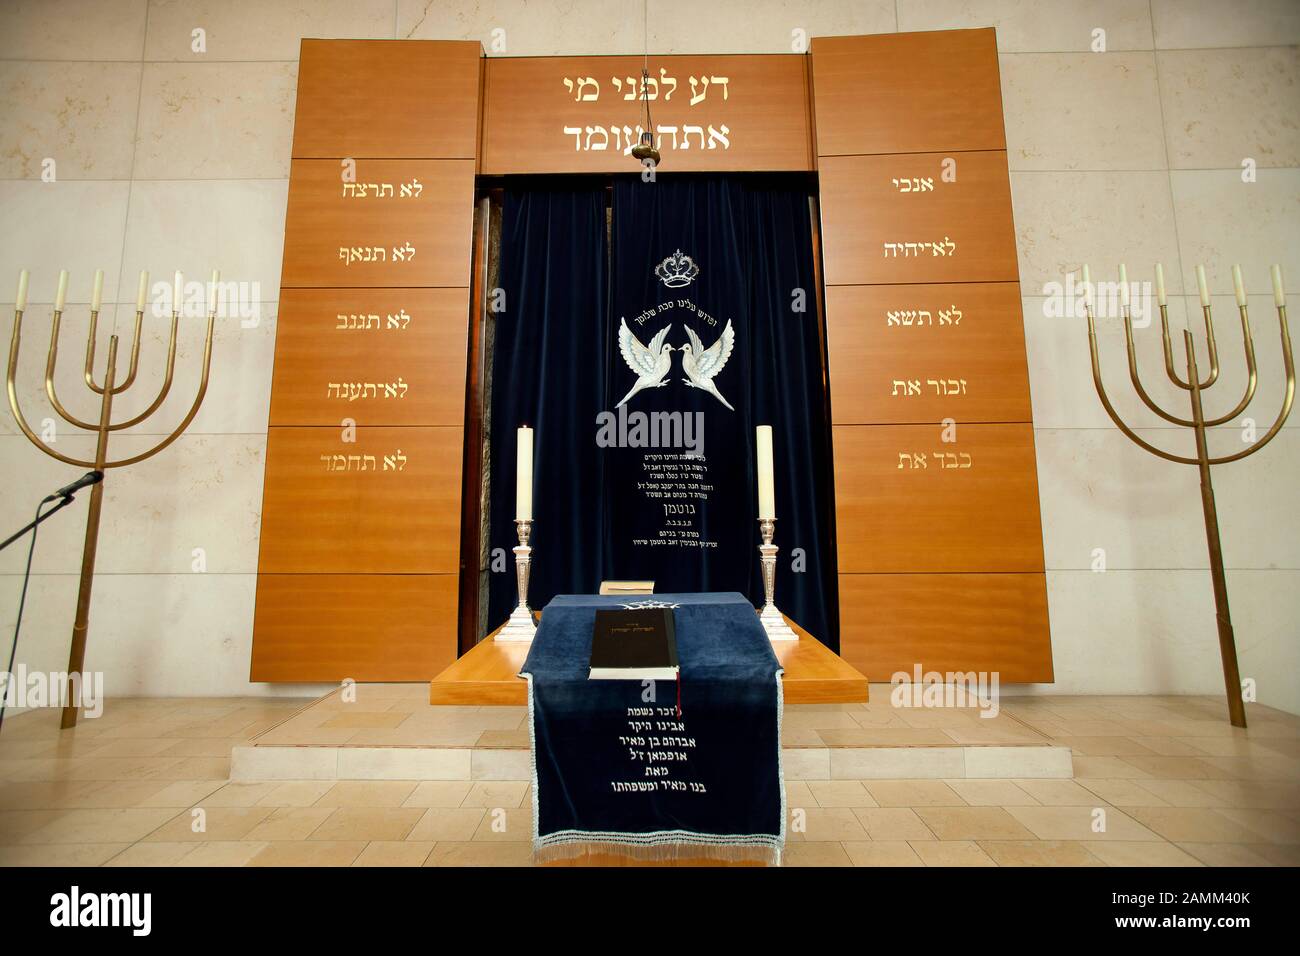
point(677, 270)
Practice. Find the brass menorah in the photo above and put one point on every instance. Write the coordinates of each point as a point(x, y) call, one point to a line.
point(103, 427)
point(1195, 386)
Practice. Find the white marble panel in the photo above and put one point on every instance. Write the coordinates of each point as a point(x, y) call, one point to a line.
point(405, 763)
point(896, 763)
point(238, 398)
point(1037, 26)
point(199, 225)
point(1098, 490)
point(1153, 632)
point(1222, 107)
point(528, 29)
point(1082, 111)
point(67, 120)
point(1060, 371)
point(69, 381)
point(284, 763)
point(218, 120)
point(1066, 219)
point(1024, 763)
point(72, 29)
point(70, 225)
point(1265, 608)
point(1188, 24)
point(759, 26)
point(259, 30)
point(150, 634)
point(201, 492)
point(1223, 220)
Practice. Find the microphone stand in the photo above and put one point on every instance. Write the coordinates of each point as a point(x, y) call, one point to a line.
point(31, 525)
point(64, 500)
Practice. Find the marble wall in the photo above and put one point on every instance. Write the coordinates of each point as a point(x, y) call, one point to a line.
point(170, 158)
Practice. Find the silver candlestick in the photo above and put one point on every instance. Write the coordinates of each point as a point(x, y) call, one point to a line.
point(520, 626)
point(772, 620)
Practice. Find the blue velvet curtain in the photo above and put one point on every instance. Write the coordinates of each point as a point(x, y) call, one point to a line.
point(750, 238)
point(558, 365)
point(547, 372)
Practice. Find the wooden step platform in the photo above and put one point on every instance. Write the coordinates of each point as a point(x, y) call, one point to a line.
point(487, 675)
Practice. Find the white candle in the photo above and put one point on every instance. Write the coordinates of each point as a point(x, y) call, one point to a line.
point(1160, 284)
point(143, 293)
point(1238, 286)
point(1279, 294)
point(212, 293)
point(20, 301)
point(524, 475)
point(1087, 285)
point(766, 498)
point(1123, 285)
point(61, 296)
point(97, 292)
point(1202, 285)
point(178, 293)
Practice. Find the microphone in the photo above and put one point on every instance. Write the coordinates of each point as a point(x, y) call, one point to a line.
point(67, 491)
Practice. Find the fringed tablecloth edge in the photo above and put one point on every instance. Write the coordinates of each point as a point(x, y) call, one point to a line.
point(666, 847)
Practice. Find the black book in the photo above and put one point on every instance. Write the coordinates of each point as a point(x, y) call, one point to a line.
point(636, 644)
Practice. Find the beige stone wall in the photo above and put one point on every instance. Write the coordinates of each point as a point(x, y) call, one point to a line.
point(167, 158)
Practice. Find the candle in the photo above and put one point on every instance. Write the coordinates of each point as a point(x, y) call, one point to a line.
point(1202, 285)
point(143, 293)
point(1279, 294)
point(1123, 285)
point(1160, 284)
point(62, 294)
point(1087, 285)
point(1238, 286)
point(178, 288)
point(212, 294)
point(97, 292)
point(20, 301)
point(524, 475)
point(766, 499)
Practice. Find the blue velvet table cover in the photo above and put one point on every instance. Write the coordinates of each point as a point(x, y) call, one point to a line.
point(616, 769)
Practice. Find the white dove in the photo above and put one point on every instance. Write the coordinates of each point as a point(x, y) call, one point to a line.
point(701, 364)
point(651, 365)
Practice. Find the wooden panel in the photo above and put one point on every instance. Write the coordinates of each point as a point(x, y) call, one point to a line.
point(957, 513)
point(369, 627)
point(419, 240)
point(757, 120)
point(907, 92)
point(335, 593)
point(331, 343)
point(922, 353)
point(956, 232)
point(363, 98)
point(377, 520)
point(924, 323)
point(488, 675)
point(946, 623)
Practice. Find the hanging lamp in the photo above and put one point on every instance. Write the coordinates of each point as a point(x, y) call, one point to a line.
point(645, 151)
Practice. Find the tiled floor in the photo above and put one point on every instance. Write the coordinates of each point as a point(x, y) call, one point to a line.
point(1158, 781)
